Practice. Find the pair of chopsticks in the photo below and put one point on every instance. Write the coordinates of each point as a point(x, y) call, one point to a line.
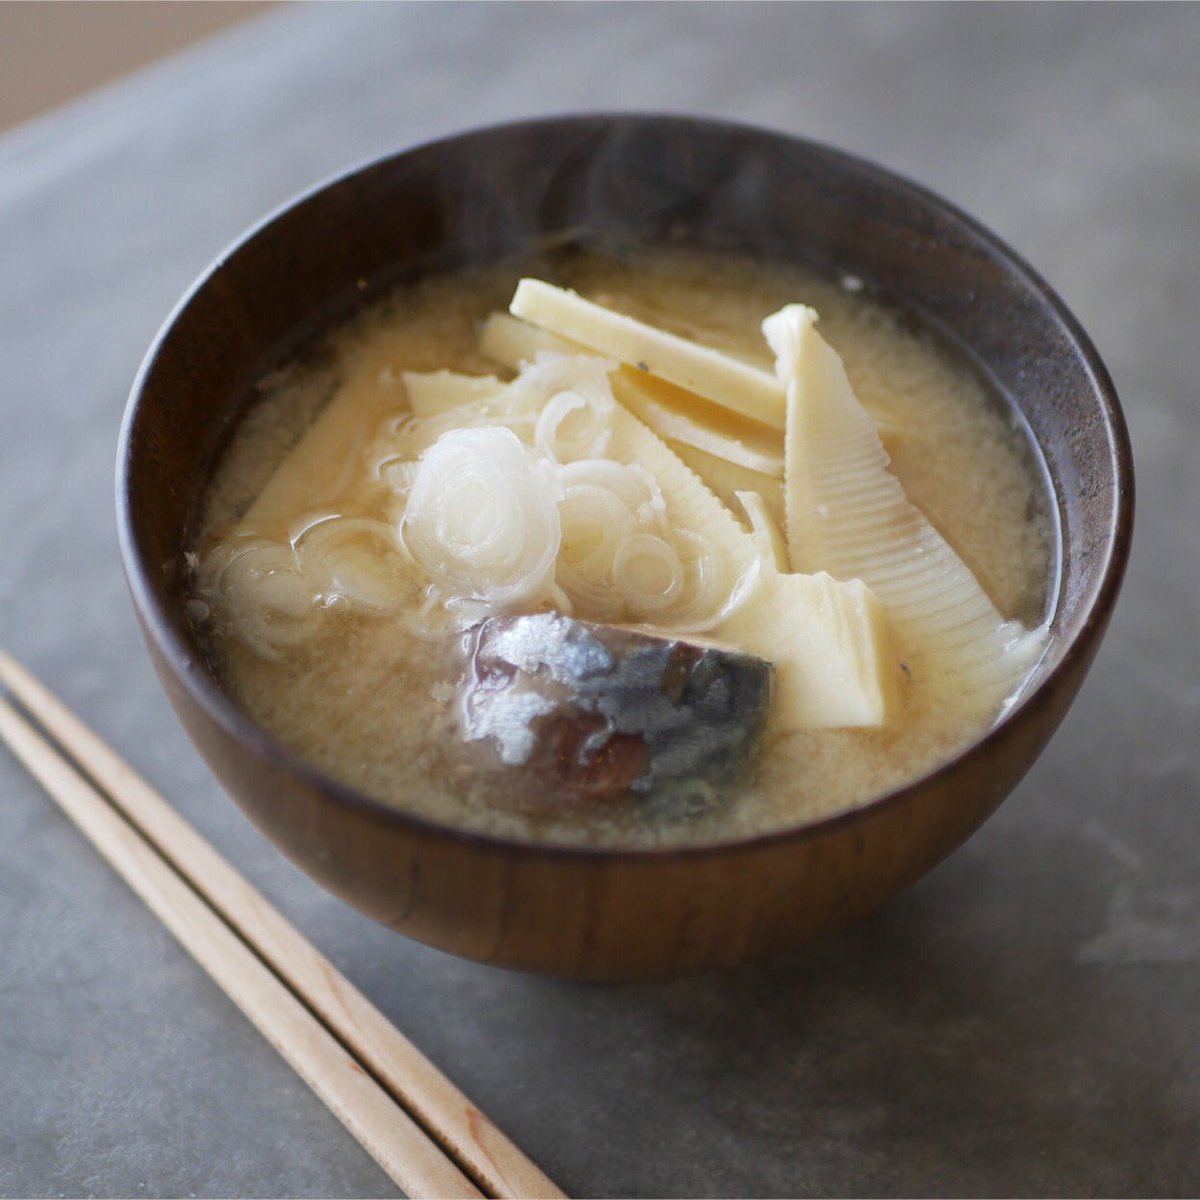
point(413, 1121)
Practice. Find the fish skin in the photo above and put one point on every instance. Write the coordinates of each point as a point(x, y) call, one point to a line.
point(607, 713)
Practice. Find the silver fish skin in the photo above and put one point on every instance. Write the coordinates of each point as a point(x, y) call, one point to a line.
point(604, 712)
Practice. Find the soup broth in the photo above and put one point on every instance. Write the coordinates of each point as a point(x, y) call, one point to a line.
point(368, 694)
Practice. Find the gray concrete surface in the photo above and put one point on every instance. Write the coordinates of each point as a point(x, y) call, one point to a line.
point(1025, 1020)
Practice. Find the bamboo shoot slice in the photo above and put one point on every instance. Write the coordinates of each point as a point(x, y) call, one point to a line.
point(764, 530)
point(848, 514)
point(726, 479)
point(679, 416)
point(431, 393)
point(690, 504)
point(511, 342)
point(726, 381)
point(316, 470)
point(834, 665)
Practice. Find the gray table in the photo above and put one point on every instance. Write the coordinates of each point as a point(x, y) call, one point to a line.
point(1026, 1019)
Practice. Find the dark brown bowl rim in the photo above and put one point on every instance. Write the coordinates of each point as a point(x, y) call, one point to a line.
point(204, 691)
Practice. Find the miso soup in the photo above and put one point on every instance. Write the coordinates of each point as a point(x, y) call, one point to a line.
point(625, 566)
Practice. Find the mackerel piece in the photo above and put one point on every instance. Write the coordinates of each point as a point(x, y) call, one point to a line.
point(603, 713)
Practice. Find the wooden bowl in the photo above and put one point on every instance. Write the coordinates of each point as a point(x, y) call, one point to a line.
point(588, 913)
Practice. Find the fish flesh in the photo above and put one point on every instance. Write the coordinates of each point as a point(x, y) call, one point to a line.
point(608, 713)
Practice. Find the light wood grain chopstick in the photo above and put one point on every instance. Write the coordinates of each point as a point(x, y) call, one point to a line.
point(177, 872)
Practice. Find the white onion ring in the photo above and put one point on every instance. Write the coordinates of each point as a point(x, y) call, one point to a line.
point(590, 601)
point(710, 597)
point(636, 486)
point(480, 521)
point(334, 557)
point(588, 508)
point(268, 602)
point(559, 443)
point(394, 471)
point(640, 563)
point(629, 483)
point(595, 510)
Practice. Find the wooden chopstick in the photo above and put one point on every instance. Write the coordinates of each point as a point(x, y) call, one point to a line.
point(368, 1073)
